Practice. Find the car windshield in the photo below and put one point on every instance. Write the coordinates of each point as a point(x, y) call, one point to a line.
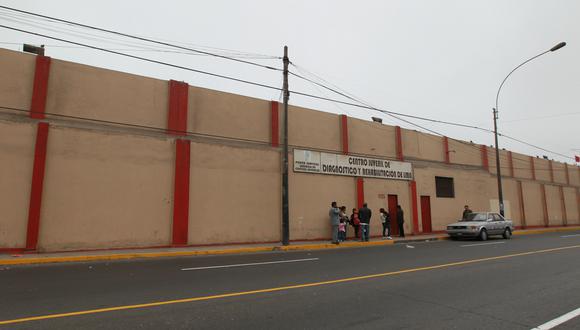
point(476, 217)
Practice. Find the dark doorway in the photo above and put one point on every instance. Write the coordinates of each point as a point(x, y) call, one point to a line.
point(426, 214)
point(392, 204)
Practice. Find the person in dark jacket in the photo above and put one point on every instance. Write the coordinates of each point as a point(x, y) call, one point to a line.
point(466, 212)
point(400, 220)
point(364, 214)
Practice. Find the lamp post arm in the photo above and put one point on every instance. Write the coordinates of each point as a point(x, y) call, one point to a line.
point(509, 74)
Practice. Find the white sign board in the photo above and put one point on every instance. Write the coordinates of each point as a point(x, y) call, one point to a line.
point(336, 164)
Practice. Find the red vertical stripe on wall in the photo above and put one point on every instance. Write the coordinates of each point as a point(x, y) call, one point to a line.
point(563, 201)
point(511, 162)
point(40, 87)
point(360, 192)
point(533, 168)
point(522, 205)
point(551, 171)
point(275, 124)
point(484, 159)
point(177, 125)
point(545, 205)
point(399, 140)
point(36, 186)
point(344, 133)
point(181, 192)
point(415, 209)
point(446, 149)
point(178, 97)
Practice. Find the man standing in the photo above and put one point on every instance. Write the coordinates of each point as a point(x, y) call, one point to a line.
point(400, 220)
point(334, 221)
point(466, 212)
point(364, 215)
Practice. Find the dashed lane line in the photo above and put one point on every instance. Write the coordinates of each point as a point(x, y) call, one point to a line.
point(277, 289)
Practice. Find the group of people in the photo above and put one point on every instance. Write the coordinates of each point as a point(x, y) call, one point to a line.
point(360, 221)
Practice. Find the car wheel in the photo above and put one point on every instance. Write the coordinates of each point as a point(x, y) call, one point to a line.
point(483, 235)
point(507, 233)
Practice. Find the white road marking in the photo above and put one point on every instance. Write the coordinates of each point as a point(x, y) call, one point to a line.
point(574, 235)
point(251, 264)
point(559, 320)
point(479, 244)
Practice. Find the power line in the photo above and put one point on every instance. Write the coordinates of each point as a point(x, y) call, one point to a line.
point(205, 135)
point(138, 38)
point(143, 58)
point(366, 106)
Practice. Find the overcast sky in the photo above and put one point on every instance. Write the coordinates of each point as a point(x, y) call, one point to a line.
point(437, 59)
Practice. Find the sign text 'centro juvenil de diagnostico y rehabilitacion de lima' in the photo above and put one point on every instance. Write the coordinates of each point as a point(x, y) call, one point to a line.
point(336, 164)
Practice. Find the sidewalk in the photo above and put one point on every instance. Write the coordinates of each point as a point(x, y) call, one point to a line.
point(120, 254)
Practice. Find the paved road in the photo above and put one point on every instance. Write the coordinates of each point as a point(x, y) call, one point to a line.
point(505, 284)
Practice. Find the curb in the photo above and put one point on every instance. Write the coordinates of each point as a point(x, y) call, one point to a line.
point(320, 246)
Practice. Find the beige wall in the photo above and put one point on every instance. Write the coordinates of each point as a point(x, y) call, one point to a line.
point(472, 187)
point(574, 173)
point(106, 190)
point(16, 159)
point(108, 187)
point(423, 146)
point(16, 92)
point(225, 114)
point(370, 138)
point(504, 162)
point(85, 91)
point(572, 206)
point(465, 153)
point(533, 204)
point(559, 172)
point(542, 169)
point(314, 129)
point(234, 195)
point(375, 188)
point(522, 166)
point(310, 196)
point(554, 203)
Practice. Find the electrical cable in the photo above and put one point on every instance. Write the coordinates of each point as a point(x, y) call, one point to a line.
point(139, 38)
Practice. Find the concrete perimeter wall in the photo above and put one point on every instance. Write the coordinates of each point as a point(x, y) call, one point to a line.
point(92, 158)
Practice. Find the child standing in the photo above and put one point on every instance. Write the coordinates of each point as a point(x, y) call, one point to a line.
point(342, 230)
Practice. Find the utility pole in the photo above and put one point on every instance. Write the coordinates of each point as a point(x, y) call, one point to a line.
point(497, 164)
point(285, 212)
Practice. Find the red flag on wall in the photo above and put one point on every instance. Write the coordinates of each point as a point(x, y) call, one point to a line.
point(577, 159)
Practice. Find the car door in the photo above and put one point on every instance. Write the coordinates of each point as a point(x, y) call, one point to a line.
point(491, 224)
point(499, 223)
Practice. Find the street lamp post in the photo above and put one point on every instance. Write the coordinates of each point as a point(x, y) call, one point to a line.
point(495, 117)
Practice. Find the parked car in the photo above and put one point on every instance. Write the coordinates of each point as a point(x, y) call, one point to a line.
point(481, 225)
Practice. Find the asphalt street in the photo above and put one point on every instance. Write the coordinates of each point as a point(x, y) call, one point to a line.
point(499, 284)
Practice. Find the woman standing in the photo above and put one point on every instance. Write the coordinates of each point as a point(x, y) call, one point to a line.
point(386, 221)
point(355, 222)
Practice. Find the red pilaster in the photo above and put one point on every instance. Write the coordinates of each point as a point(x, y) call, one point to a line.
point(177, 125)
point(563, 204)
point(37, 110)
point(40, 87)
point(36, 186)
point(551, 171)
point(484, 158)
point(344, 133)
point(544, 205)
point(399, 140)
point(533, 168)
point(360, 192)
point(446, 149)
point(275, 121)
point(178, 98)
point(181, 192)
point(522, 205)
point(414, 208)
point(511, 163)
